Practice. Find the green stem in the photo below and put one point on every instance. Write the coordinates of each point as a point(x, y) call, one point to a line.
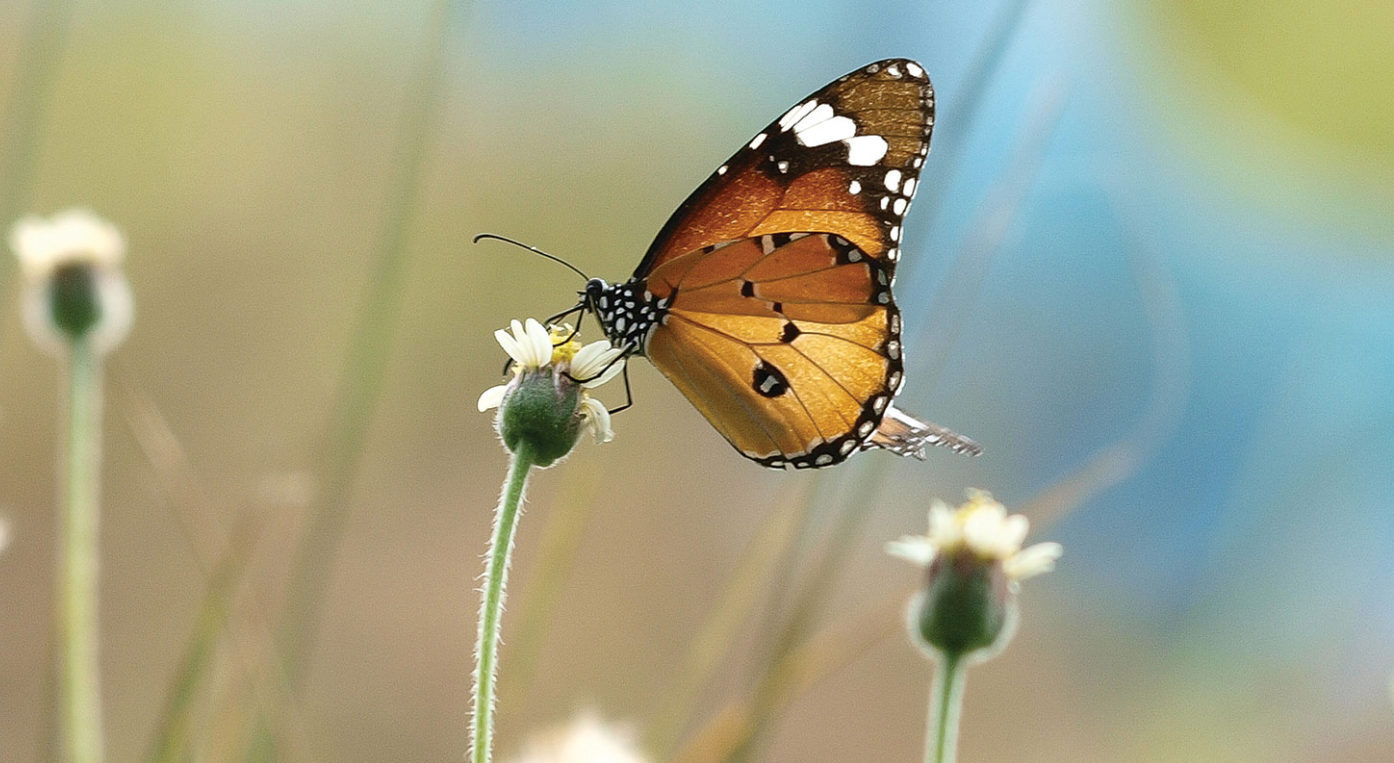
point(945, 706)
point(79, 685)
point(495, 580)
point(21, 127)
point(361, 380)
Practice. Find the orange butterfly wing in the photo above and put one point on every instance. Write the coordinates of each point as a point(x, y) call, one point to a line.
point(794, 356)
point(836, 162)
point(774, 277)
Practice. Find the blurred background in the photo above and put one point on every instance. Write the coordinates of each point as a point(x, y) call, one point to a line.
point(1150, 269)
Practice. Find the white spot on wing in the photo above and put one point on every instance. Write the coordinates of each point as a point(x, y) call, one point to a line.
point(820, 113)
point(909, 188)
point(893, 70)
point(854, 187)
point(914, 69)
point(783, 166)
point(757, 141)
point(795, 114)
point(893, 181)
point(865, 150)
point(899, 206)
point(721, 170)
point(825, 131)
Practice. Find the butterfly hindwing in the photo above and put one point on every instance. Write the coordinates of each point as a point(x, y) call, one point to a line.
point(844, 160)
point(788, 344)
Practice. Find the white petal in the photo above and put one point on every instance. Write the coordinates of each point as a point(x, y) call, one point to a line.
point(492, 397)
point(1014, 531)
point(592, 359)
point(609, 373)
point(540, 341)
point(74, 235)
point(943, 525)
point(915, 549)
point(1033, 561)
point(597, 419)
point(527, 358)
point(985, 531)
point(510, 345)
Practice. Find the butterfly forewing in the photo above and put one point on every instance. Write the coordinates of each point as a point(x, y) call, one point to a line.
point(844, 160)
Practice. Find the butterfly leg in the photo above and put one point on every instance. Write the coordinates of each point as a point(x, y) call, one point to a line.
point(628, 396)
point(553, 320)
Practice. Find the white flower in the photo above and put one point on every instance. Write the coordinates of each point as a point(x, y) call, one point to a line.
point(75, 235)
point(982, 527)
point(586, 739)
point(73, 285)
point(533, 348)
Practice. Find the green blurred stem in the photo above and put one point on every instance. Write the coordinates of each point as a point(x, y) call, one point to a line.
point(79, 684)
point(495, 580)
point(360, 384)
point(23, 116)
point(172, 738)
point(945, 706)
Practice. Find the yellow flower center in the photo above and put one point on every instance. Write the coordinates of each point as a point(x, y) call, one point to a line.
point(565, 345)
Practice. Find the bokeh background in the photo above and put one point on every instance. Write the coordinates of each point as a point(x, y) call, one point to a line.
point(1151, 269)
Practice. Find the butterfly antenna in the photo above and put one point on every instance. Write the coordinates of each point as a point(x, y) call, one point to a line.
point(532, 249)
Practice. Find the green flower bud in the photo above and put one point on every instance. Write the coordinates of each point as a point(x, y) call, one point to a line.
point(974, 564)
point(964, 607)
point(541, 409)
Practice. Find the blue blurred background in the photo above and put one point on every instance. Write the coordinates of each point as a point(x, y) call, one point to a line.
point(1149, 269)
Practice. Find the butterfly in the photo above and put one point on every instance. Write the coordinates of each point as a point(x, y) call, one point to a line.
point(766, 298)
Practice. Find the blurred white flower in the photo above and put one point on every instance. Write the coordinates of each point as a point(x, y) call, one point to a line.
point(73, 284)
point(982, 527)
point(586, 739)
point(75, 235)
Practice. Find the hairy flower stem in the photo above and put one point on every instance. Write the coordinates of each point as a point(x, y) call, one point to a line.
point(495, 582)
point(945, 706)
point(79, 687)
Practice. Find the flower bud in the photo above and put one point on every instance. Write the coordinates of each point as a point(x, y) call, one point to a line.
point(540, 409)
point(73, 286)
point(973, 563)
point(964, 606)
